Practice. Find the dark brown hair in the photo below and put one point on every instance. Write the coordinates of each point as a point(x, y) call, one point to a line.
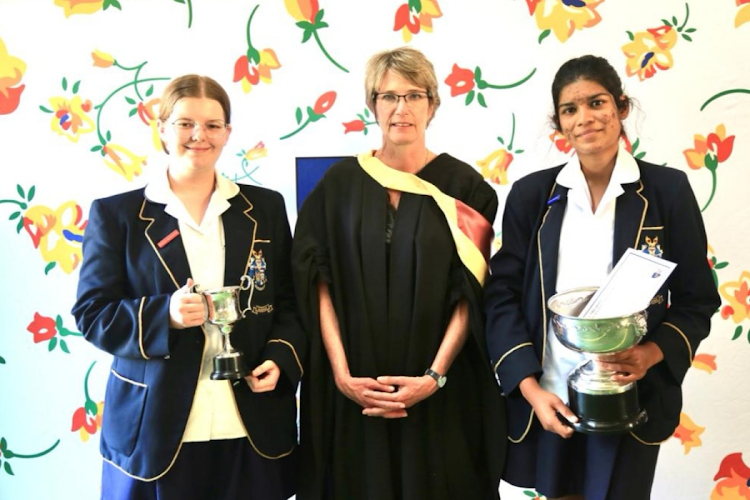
point(590, 68)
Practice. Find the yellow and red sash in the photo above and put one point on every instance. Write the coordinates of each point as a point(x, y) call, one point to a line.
point(470, 230)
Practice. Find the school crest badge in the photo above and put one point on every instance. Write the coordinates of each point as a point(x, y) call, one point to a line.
point(257, 270)
point(652, 246)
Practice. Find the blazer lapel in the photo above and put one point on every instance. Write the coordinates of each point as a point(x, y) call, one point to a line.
point(630, 214)
point(162, 232)
point(549, 239)
point(239, 239)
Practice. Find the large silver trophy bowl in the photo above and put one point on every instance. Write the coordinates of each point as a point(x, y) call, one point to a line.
point(602, 405)
point(223, 309)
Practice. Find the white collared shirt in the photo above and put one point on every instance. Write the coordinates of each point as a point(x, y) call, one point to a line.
point(214, 413)
point(585, 253)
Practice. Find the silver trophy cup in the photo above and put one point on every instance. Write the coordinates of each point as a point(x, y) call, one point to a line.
point(602, 405)
point(223, 309)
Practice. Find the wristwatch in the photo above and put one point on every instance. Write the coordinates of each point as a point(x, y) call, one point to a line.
point(440, 379)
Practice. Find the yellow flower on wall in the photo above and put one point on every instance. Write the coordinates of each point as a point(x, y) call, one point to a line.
point(494, 167)
point(11, 72)
point(705, 362)
point(688, 432)
point(57, 233)
point(102, 59)
point(70, 118)
point(743, 13)
point(146, 113)
point(564, 17)
point(123, 161)
point(651, 50)
point(71, 7)
point(737, 294)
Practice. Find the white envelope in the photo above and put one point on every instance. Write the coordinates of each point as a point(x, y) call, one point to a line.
point(630, 286)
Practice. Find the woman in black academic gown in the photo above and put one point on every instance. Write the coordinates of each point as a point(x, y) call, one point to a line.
point(389, 257)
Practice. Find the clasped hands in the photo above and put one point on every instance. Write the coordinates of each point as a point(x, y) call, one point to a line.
point(386, 396)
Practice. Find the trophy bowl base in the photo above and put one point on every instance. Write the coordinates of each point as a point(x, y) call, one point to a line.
point(606, 413)
point(230, 367)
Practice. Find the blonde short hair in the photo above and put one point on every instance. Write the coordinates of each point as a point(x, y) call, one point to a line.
point(407, 62)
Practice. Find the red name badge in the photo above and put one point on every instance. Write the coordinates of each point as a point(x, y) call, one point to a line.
point(174, 234)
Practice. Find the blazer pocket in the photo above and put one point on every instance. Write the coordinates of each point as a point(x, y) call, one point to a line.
point(123, 413)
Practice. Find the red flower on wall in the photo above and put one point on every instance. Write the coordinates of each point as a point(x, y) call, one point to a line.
point(309, 17)
point(50, 330)
point(561, 142)
point(708, 152)
point(254, 66)
point(88, 418)
point(733, 478)
point(354, 126)
point(324, 103)
point(462, 81)
point(360, 124)
point(314, 113)
point(43, 328)
point(416, 16)
point(87, 421)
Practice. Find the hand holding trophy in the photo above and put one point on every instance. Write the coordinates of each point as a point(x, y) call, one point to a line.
point(601, 405)
point(223, 309)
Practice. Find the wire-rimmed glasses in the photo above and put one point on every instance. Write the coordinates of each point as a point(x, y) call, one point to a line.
point(411, 99)
point(214, 129)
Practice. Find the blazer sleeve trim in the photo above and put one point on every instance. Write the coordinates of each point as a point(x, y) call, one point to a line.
point(140, 329)
point(511, 351)
point(294, 351)
point(648, 443)
point(526, 431)
point(684, 337)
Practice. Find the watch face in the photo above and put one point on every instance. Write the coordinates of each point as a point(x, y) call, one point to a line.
point(441, 381)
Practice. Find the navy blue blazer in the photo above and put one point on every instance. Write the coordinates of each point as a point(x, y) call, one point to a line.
point(130, 269)
point(658, 213)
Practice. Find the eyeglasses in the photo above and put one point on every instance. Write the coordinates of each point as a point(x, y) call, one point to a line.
point(411, 99)
point(215, 129)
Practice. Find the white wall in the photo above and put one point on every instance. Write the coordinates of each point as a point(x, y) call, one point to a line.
point(41, 389)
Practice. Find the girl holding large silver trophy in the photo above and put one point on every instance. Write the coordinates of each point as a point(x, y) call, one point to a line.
point(171, 272)
point(592, 429)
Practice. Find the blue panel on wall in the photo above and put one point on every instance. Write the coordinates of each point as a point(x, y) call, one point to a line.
point(309, 171)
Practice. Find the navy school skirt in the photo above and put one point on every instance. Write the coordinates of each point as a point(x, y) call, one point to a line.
point(217, 470)
point(599, 467)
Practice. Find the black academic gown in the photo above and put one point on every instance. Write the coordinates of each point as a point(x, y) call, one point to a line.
point(392, 314)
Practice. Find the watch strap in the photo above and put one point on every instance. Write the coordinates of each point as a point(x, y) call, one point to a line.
point(440, 379)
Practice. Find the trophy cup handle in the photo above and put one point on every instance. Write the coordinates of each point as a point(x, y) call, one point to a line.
point(247, 283)
point(206, 312)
